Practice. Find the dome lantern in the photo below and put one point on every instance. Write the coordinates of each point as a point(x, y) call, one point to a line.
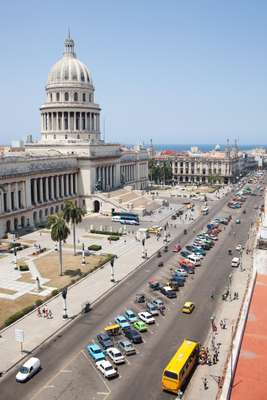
point(69, 46)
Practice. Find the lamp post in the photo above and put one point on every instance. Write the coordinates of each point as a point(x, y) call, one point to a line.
point(143, 248)
point(83, 256)
point(64, 295)
point(112, 270)
point(230, 285)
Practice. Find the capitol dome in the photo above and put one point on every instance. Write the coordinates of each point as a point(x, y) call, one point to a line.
point(69, 69)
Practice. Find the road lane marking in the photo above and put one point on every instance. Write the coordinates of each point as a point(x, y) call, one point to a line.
point(102, 393)
point(55, 376)
point(97, 372)
point(66, 370)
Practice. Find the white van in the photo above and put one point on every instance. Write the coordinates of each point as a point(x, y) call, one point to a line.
point(235, 262)
point(28, 369)
point(195, 260)
point(205, 210)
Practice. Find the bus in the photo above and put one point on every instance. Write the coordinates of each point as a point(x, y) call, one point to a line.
point(181, 365)
point(125, 218)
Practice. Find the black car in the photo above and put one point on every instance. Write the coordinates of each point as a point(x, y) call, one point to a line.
point(104, 340)
point(133, 335)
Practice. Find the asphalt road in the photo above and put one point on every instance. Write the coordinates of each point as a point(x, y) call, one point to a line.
point(68, 373)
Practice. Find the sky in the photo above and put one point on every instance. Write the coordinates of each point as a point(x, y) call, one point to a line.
point(172, 71)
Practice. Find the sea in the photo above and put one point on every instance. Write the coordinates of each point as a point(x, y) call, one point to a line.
point(202, 147)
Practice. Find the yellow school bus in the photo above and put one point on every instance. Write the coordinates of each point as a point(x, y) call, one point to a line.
point(180, 366)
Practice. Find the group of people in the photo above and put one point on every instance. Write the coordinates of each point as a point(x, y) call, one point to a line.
point(44, 313)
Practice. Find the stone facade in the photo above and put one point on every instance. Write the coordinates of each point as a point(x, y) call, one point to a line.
point(70, 161)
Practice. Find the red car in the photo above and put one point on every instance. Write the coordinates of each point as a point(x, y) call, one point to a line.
point(177, 248)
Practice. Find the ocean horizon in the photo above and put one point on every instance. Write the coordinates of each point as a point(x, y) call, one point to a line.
point(203, 147)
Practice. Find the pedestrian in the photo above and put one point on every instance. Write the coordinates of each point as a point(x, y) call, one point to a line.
point(44, 312)
point(39, 312)
point(205, 383)
point(214, 359)
point(50, 314)
point(124, 241)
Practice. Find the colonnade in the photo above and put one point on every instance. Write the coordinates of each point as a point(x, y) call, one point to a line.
point(107, 176)
point(13, 196)
point(50, 188)
point(70, 121)
point(129, 172)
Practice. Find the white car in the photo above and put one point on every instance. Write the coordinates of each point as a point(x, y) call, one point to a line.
point(146, 317)
point(182, 272)
point(238, 247)
point(107, 369)
point(28, 369)
point(115, 355)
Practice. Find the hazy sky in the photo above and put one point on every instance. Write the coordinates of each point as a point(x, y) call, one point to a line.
point(174, 71)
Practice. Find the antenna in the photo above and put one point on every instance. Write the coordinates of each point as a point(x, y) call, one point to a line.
point(104, 129)
point(68, 32)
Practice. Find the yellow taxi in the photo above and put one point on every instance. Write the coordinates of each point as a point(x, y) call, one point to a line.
point(188, 307)
point(154, 229)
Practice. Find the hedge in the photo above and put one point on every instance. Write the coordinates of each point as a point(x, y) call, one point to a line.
point(106, 232)
point(19, 314)
point(23, 267)
point(73, 272)
point(95, 247)
point(113, 238)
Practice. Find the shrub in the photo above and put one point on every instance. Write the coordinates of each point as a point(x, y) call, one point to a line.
point(19, 314)
point(106, 232)
point(55, 292)
point(113, 238)
point(23, 267)
point(95, 247)
point(73, 272)
point(38, 302)
point(12, 245)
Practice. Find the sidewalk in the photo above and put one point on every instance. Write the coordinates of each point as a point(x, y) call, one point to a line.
point(229, 311)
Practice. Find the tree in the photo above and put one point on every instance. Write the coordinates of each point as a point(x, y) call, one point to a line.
point(74, 215)
point(59, 232)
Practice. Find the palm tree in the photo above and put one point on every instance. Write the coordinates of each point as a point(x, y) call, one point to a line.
point(59, 232)
point(73, 214)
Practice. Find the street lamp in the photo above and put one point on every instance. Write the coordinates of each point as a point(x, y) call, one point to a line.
point(112, 270)
point(229, 285)
point(83, 256)
point(144, 253)
point(64, 295)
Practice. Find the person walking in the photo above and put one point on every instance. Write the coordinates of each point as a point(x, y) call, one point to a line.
point(39, 312)
point(50, 314)
point(205, 383)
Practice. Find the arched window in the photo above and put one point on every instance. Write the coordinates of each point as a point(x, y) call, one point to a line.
point(57, 96)
point(66, 96)
point(51, 97)
point(82, 76)
point(75, 96)
point(84, 97)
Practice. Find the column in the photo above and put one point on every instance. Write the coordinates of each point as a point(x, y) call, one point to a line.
point(51, 180)
point(47, 188)
point(75, 183)
point(16, 197)
point(62, 186)
point(68, 121)
point(41, 190)
point(57, 186)
point(67, 185)
point(80, 121)
point(35, 192)
point(71, 184)
point(9, 197)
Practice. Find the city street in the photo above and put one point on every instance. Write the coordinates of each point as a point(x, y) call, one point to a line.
point(67, 372)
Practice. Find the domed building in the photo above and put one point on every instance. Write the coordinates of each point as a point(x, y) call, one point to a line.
point(70, 161)
point(70, 112)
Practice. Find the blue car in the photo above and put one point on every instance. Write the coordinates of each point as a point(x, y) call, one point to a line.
point(122, 321)
point(130, 316)
point(95, 352)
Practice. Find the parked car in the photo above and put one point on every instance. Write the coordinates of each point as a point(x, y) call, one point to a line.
point(185, 253)
point(28, 369)
point(177, 248)
point(126, 347)
point(140, 326)
point(152, 309)
point(168, 292)
point(122, 321)
point(146, 317)
point(105, 340)
point(95, 352)
point(107, 369)
point(159, 303)
point(115, 355)
point(181, 272)
point(130, 316)
point(133, 335)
